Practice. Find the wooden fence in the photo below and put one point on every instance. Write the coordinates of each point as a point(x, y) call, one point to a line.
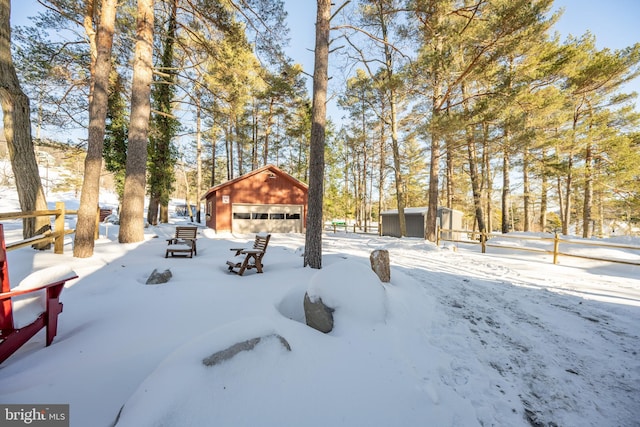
point(484, 239)
point(371, 228)
point(55, 236)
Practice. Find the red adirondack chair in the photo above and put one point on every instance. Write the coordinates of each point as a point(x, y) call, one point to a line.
point(13, 336)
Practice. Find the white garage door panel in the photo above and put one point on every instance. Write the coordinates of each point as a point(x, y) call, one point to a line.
point(267, 218)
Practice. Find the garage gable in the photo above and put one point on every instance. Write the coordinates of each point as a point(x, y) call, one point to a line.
point(264, 200)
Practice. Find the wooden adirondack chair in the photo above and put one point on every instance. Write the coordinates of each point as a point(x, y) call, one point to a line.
point(184, 242)
point(51, 283)
point(246, 259)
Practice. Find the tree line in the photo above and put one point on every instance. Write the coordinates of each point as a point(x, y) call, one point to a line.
point(458, 104)
point(446, 103)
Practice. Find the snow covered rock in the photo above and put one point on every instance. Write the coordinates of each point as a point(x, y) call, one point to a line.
point(246, 345)
point(349, 292)
point(157, 278)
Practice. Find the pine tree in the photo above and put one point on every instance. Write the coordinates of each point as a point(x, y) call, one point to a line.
point(17, 129)
point(98, 102)
point(313, 236)
point(132, 212)
point(164, 126)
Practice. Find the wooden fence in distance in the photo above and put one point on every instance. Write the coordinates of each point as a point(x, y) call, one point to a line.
point(484, 239)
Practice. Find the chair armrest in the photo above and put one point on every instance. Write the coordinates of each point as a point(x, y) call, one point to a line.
point(10, 294)
point(251, 251)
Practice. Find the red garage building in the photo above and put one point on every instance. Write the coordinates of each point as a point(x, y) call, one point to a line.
point(264, 200)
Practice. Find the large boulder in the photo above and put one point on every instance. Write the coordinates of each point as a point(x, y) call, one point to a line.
point(317, 314)
point(380, 264)
point(246, 345)
point(343, 294)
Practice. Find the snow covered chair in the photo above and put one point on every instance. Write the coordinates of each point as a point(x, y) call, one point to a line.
point(37, 296)
point(184, 242)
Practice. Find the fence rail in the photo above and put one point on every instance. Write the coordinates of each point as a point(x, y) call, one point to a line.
point(483, 239)
point(353, 228)
point(56, 237)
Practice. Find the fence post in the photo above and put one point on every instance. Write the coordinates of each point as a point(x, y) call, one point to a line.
point(58, 225)
point(556, 246)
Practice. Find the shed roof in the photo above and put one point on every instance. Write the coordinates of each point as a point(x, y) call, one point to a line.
point(407, 211)
point(415, 211)
point(272, 168)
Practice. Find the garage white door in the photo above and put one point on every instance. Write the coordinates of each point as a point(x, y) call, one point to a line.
point(266, 218)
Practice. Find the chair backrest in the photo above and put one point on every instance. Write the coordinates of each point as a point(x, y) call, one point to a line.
point(6, 309)
point(261, 242)
point(183, 232)
point(4, 269)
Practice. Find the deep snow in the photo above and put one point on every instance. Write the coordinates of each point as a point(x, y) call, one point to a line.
point(457, 338)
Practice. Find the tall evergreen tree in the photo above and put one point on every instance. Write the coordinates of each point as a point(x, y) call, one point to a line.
point(132, 212)
point(162, 154)
point(17, 129)
point(313, 236)
point(116, 133)
point(98, 102)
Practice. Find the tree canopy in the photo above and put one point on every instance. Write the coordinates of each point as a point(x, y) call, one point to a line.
point(475, 106)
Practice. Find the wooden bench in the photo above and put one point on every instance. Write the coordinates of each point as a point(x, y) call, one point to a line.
point(183, 243)
point(246, 259)
point(49, 282)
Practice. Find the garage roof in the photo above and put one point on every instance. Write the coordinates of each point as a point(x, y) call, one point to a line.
point(274, 169)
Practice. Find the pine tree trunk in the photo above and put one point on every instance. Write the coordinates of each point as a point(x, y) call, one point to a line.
point(450, 172)
point(228, 140)
point(98, 101)
point(506, 185)
point(153, 209)
point(132, 214)
point(544, 190)
point(526, 187)
point(198, 161)
point(472, 155)
point(486, 173)
point(434, 162)
point(313, 237)
point(267, 133)
point(588, 193)
point(393, 109)
point(239, 147)
point(17, 129)
point(566, 219)
point(381, 173)
point(475, 181)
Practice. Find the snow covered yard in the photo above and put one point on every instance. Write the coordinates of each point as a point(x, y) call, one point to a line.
point(461, 338)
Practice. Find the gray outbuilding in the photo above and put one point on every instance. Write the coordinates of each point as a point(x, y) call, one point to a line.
point(448, 219)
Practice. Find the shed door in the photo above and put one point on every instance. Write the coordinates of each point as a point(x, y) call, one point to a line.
point(266, 218)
